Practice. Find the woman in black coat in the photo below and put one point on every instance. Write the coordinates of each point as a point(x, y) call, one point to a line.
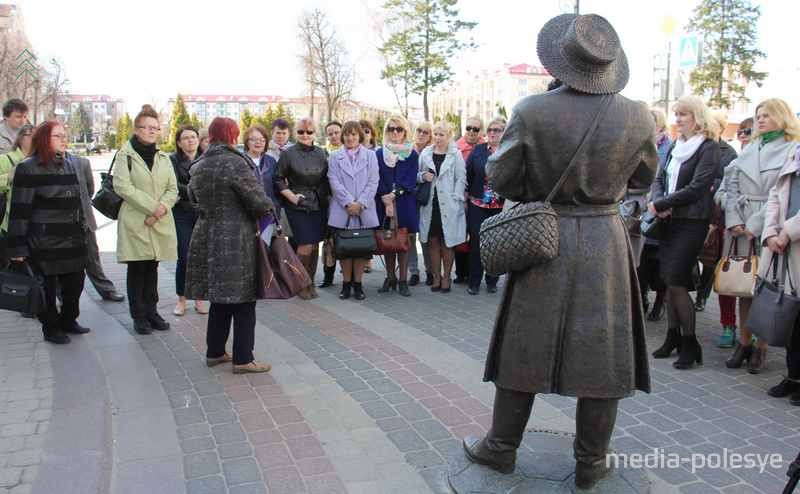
point(46, 227)
point(222, 254)
point(682, 197)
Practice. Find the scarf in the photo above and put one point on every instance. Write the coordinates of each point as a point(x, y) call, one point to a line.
point(146, 151)
point(770, 136)
point(273, 146)
point(331, 148)
point(352, 153)
point(392, 153)
point(682, 151)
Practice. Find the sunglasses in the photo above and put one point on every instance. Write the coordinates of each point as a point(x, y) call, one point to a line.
point(423, 131)
point(302, 132)
point(473, 129)
point(744, 132)
point(494, 130)
point(395, 129)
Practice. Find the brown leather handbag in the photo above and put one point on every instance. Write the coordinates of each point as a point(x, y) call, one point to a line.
point(280, 274)
point(390, 239)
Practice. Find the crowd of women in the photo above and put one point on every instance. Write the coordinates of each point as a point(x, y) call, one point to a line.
point(203, 204)
point(712, 199)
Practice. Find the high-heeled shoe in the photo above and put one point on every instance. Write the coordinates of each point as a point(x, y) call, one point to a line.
point(403, 290)
point(388, 284)
point(741, 354)
point(757, 360)
point(446, 289)
point(672, 342)
point(691, 353)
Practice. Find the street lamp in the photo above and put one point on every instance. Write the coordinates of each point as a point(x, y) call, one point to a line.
point(668, 25)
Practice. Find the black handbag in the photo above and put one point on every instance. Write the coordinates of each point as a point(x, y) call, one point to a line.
point(357, 243)
point(652, 226)
point(773, 312)
point(106, 200)
point(21, 292)
point(423, 193)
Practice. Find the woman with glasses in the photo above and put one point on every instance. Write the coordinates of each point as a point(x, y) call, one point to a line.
point(370, 136)
point(46, 228)
point(423, 136)
point(187, 142)
point(745, 132)
point(255, 145)
point(302, 180)
point(145, 180)
point(398, 164)
point(482, 203)
point(443, 223)
point(753, 175)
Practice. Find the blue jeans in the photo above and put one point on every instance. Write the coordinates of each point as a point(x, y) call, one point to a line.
point(184, 224)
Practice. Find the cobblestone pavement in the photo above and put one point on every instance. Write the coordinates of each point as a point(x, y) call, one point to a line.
point(364, 397)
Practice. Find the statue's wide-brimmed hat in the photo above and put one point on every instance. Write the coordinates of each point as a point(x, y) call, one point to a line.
point(584, 52)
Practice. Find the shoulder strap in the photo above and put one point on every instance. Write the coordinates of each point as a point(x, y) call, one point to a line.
point(129, 163)
point(111, 166)
point(603, 106)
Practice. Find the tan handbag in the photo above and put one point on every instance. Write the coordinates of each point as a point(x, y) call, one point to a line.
point(735, 275)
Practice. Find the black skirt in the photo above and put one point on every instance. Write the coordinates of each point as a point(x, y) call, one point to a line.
point(678, 250)
point(308, 227)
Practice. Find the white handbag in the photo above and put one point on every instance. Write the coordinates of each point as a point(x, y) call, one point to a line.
point(735, 275)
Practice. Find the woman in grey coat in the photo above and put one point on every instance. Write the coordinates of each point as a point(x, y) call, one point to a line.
point(222, 253)
point(752, 176)
point(573, 326)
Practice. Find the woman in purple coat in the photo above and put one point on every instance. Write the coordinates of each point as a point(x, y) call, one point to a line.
point(353, 175)
point(398, 164)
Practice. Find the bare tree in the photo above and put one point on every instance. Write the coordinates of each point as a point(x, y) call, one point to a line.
point(325, 61)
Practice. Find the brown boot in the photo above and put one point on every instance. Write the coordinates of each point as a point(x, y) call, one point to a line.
point(498, 450)
point(594, 423)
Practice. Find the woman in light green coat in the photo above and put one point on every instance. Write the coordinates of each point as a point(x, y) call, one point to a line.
point(20, 149)
point(145, 179)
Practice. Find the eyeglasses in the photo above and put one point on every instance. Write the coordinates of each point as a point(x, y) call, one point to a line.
point(423, 131)
point(63, 137)
point(744, 132)
point(302, 132)
point(149, 128)
point(395, 129)
point(473, 129)
point(494, 130)
point(257, 140)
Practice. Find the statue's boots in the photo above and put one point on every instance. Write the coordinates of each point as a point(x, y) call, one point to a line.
point(594, 424)
point(498, 450)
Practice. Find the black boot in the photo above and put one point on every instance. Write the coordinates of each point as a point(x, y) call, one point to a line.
point(327, 277)
point(56, 336)
point(75, 328)
point(594, 423)
point(741, 354)
point(498, 450)
point(784, 389)
point(690, 353)
point(142, 326)
point(757, 360)
point(388, 284)
point(403, 290)
point(658, 308)
point(157, 322)
point(358, 291)
point(673, 342)
point(700, 304)
point(345, 293)
point(428, 278)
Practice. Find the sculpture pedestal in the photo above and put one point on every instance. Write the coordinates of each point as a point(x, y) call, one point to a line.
point(545, 463)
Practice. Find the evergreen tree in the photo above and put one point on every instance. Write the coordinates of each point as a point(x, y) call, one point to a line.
point(195, 121)
point(179, 117)
point(729, 52)
point(124, 130)
point(246, 121)
point(379, 124)
point(427, 38)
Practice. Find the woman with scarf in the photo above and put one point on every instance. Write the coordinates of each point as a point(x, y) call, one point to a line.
point(145, 180)
point(681, 196)
point(443, 223)
point(398, 165)
point(751, 177)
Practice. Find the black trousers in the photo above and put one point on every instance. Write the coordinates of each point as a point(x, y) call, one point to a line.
point(184, 225)
point(244, 330)
point(462, 264)
point(793, 354)
point(70, 286)
point(476, 216)
point(143, 288)
point(94, 268)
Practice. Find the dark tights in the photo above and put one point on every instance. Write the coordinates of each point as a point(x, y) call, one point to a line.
point(680, 310)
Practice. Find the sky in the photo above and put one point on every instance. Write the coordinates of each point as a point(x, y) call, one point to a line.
point(150, 50)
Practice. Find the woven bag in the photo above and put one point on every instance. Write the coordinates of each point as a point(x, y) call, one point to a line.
point(527, 234)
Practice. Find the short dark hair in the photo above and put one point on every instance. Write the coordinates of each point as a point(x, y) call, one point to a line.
point(179, 133)
point(333, 122)
point(280, 123)
point(14, 105)
point(351, 127)
point(747, 122)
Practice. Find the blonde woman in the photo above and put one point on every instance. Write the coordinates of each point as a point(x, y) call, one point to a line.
point(398, 164)
point(681, 196)
point(443, 221)
point(422, 139)
point(751, 177)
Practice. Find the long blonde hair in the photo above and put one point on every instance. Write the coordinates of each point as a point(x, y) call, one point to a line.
point(705, 123)
point(782, 113)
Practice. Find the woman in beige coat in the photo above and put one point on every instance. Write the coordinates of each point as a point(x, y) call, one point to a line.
point(145, 180)
point(782, 234)
point(752, 176)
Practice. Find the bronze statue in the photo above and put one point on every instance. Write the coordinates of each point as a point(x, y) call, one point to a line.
point(575, 325)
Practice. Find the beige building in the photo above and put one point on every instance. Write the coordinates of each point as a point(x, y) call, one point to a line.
point(483, 93)
point(103, 110)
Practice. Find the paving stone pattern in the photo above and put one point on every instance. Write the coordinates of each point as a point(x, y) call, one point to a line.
point(26, 390)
